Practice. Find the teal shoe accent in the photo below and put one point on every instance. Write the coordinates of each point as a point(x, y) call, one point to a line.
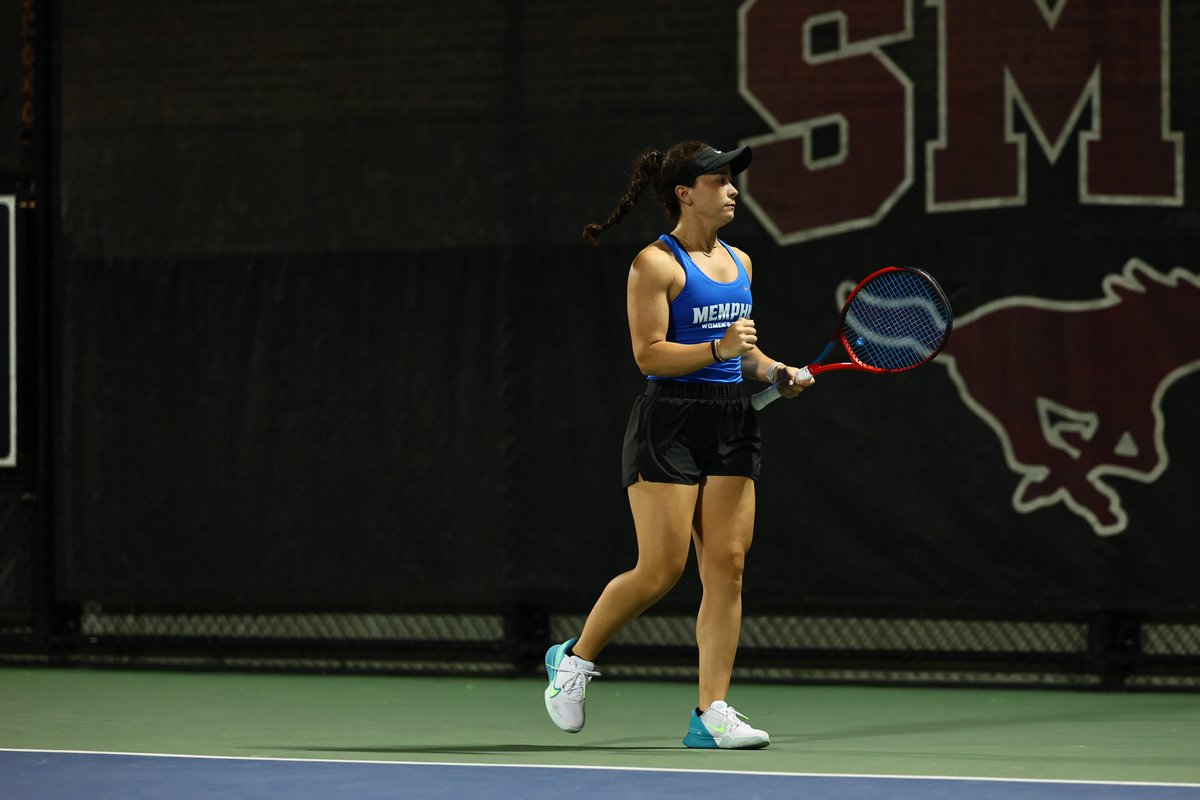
point(698, 735)
point(554, 656)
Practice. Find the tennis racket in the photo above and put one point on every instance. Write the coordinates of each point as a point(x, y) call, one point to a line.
point(895, 320)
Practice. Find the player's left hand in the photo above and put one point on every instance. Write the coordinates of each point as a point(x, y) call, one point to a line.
point(791, 381)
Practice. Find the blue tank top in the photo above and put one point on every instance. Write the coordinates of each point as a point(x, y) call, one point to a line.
point(704, 310)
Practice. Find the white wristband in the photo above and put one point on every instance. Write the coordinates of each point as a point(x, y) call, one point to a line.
point(771, 371)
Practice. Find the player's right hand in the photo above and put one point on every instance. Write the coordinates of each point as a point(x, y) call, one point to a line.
point(739, 339)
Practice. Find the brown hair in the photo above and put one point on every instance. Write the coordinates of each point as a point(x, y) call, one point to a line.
point(665, 170)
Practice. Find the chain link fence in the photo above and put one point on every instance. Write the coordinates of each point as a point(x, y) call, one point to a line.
point(1114, 650)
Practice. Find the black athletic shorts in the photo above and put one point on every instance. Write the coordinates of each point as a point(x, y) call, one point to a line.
point(679, 432)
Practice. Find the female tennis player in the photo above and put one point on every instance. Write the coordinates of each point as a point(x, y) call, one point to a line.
point(692, 448)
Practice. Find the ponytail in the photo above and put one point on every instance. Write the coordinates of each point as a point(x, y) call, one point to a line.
point(647, 166)
point(666, 170)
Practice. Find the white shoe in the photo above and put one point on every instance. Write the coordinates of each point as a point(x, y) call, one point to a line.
point(569, 677)
point(722, 726)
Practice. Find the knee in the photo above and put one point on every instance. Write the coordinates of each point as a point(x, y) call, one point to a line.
point(723, 568)
point(658, 578)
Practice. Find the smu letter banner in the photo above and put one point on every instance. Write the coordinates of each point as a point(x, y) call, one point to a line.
point(1091, 74)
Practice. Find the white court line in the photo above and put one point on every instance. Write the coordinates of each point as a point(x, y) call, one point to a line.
point(596, 767)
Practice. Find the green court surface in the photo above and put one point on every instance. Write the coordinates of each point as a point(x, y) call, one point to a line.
point(996, 733)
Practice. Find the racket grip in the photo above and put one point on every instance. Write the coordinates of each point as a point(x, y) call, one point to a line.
point(770, 394)
point(764, 398)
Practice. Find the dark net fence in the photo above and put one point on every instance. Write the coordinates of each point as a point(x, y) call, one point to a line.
point(314, 373)
point(1107, 650)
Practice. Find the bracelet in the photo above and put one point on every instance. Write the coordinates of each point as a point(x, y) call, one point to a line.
point(715, 352)
point(771, 371)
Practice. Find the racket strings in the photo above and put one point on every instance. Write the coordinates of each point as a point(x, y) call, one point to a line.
point(896, 321)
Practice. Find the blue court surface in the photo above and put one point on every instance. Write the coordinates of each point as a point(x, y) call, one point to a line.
point(48, 775)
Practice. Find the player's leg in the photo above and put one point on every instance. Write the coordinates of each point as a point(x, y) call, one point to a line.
point(723, 532)
point(662, 516)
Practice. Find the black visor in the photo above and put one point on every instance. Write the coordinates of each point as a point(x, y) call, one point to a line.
point(710, 160)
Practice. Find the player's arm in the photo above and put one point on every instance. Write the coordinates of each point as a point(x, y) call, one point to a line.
point(756, 365)
point(651, 280)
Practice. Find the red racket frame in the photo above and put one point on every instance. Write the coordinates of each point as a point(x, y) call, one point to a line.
point(816, 368)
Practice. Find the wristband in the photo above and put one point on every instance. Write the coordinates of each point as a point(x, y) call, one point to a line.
point(771, 371)
point(715, 352)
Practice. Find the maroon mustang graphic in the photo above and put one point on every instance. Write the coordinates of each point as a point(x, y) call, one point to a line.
point(1074, 388)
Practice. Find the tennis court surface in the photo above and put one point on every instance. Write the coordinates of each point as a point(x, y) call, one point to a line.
point(100, 734)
